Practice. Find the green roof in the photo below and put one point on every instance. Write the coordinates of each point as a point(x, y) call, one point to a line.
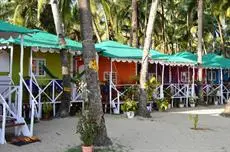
point(10, 28)
point(212, 60)
point(44, 40)
point(115, 49)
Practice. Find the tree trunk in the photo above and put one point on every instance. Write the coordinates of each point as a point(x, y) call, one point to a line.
point(91, 75)
point(142, 110)
point(199, 47)
point(134, 30)
point(221, 37)
point(65, 101)
point(163, 27)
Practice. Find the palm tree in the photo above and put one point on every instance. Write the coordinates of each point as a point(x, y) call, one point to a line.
point(65, 103)
point(134, 30)
point(91, 76)
point(199, 46)
point(142, 110)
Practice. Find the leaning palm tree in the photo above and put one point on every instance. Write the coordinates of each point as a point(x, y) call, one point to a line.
point(91, 75)
point(142, 110)
point(65, 102)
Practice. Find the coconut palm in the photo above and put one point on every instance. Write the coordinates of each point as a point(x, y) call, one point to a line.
point(142, 110)
point(65, 102)
point(91, 75)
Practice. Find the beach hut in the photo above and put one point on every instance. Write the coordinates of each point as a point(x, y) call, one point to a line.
point(12, 114)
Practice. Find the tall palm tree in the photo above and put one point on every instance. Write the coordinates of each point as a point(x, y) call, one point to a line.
point(65, 103)
point(134, 30)
point(199, 46)
point(142, 110)
point(91, 76)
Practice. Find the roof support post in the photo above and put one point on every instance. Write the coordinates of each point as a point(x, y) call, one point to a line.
point(162, 82)
point(20, 98)
point(221, 87)
point(193, 81)
point(110, 85)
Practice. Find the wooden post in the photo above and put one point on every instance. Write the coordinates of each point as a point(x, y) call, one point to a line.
point(11, 60)
point(221, 87)
point(156, 71)
point(170, 75)
point(162, 82)
point(178, 75)
point(11, 70)
point(20, 99)
point(31, 72)
point(110, 85)
point(193, 81)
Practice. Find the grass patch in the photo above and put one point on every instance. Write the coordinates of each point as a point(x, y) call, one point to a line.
point(117, 148)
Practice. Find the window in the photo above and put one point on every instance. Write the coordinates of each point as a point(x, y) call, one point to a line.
point(184, 76)
point(37, 67)
point(211, 76)
point(114, 77)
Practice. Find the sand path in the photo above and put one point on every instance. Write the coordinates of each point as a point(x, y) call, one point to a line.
point(164, 132)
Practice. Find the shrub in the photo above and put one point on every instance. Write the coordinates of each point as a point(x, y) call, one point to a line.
point(87, 129)
point(162, 104)
point(129, 105)
point(194, 119)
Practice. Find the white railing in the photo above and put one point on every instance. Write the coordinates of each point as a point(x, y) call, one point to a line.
point(6, 112)
point(52, 98)
point(116, 102)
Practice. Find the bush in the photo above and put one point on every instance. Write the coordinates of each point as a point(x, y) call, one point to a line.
point(87, 129)
point(162, 104)
point(129, 105)
point(47, 108)
point(195, 120)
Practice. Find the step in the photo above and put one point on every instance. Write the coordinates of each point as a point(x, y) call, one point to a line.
point(10, 125)
point(8, 119)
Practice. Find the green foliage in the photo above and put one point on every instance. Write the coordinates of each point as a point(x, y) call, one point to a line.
point(129, 105)
point(131, 92)
point(162, 104)
point(194, 119)
point(87, 128)
point(150, 87)
point(47, 108)
point(193, 100)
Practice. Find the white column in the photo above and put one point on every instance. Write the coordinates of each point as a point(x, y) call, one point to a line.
point(162, 82)
point(170, 75)
point(110, 85)
point(11, 60)
point(221, 87)
point(193, 81)
point(178, 75)
point(31, 73)
point(156, 71)
point(20, 98)
point(11, 70)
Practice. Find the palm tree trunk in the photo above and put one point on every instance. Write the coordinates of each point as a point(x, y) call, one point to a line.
point(134, 30)
point(65, 101)
point(89, 56)
point(142, 110)
point(221, 37)
point(199, 47)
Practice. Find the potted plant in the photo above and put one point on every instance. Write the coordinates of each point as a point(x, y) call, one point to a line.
point(129, 107)
point(87, 129)
point(162, 104)
point(192, 101)
point(181, 104)
point(47, 108)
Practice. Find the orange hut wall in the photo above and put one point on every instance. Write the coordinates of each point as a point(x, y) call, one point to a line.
point(125, 71)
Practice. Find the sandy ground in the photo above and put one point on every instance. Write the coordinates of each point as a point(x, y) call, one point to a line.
point(164, 132)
